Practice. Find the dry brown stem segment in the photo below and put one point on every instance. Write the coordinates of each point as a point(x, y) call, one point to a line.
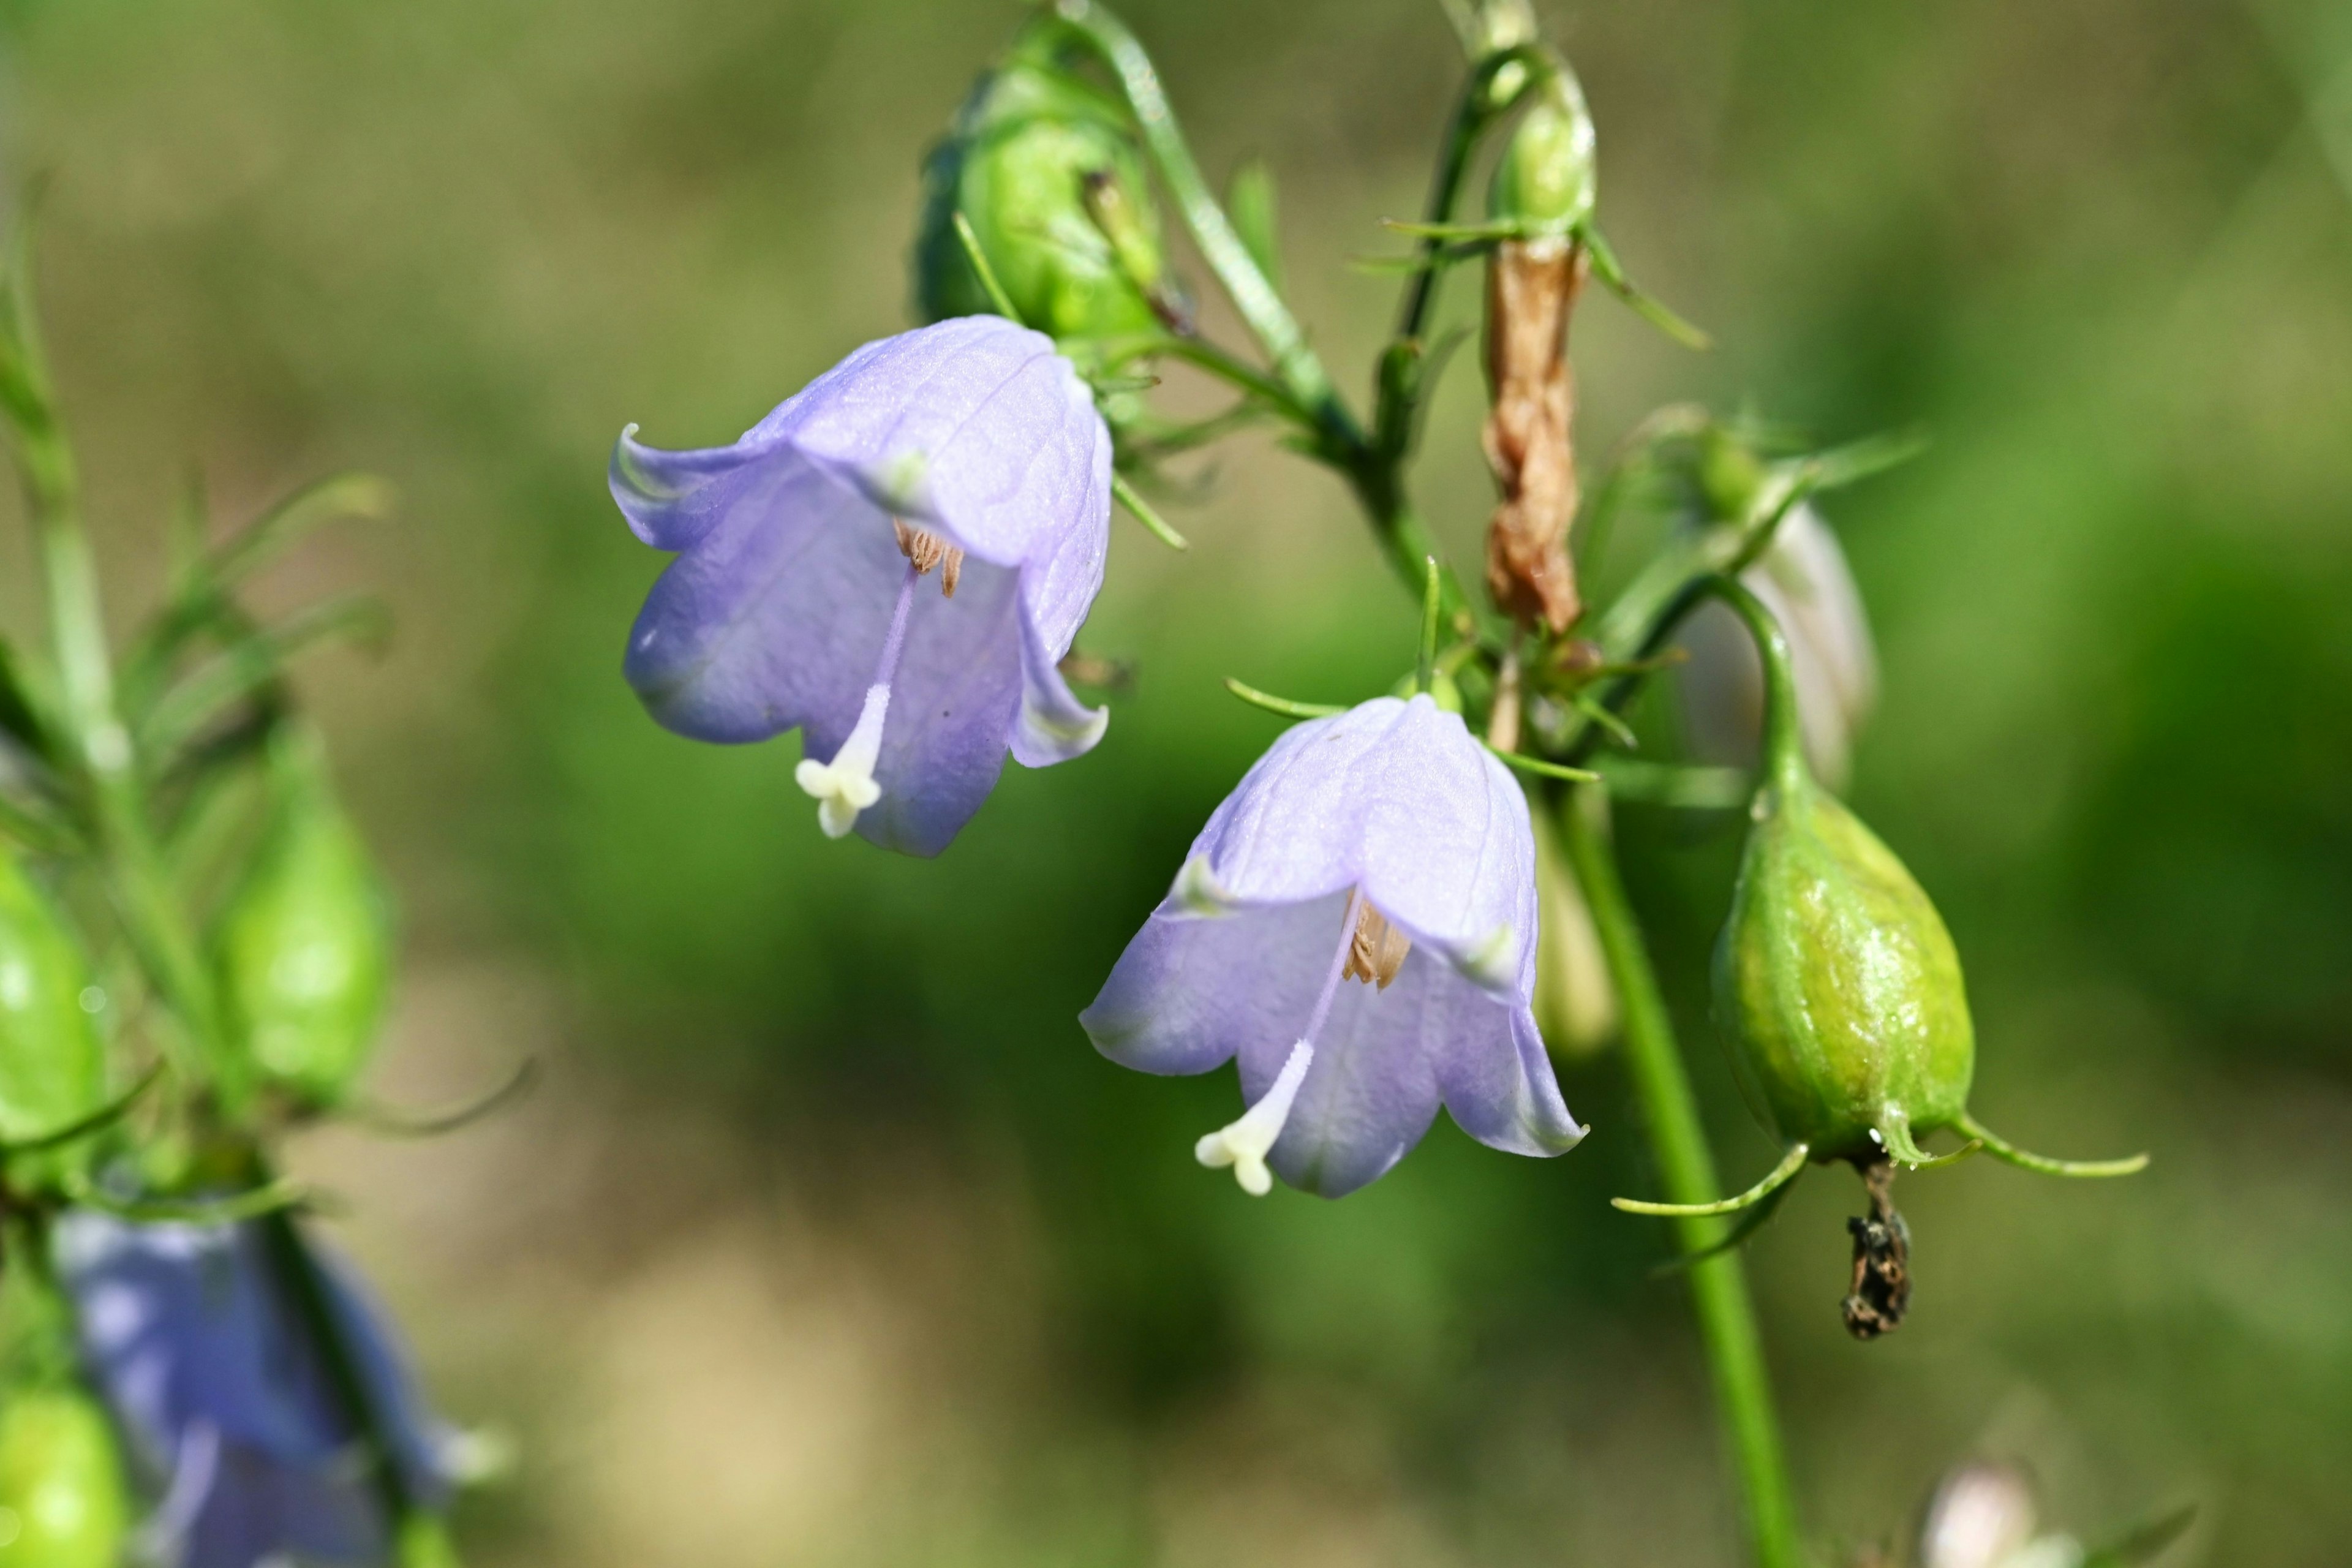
point(1377, 950)
point(1531, 289)
point(927, 550)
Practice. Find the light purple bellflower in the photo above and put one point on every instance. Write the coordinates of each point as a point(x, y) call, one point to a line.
point(968, 448)
point(230, 1412)
point(1357, 924)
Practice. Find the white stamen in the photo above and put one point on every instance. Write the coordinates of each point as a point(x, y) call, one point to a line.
point(844, 786)
point(1244, 1144)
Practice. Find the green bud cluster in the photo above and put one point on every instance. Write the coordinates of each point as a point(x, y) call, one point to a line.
point(1048, 172)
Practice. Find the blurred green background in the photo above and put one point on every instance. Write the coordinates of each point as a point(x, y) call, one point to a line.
point(833, 1242)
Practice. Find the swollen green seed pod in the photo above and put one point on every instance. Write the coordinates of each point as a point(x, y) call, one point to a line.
point(52, 1061)
point(1047, 171)
point(1837, 988)
point(62, 1499)
point(304, 949)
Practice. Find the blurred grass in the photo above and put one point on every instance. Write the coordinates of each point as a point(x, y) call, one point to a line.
point(841, 1209)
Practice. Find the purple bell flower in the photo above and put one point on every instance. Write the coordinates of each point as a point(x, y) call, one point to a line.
point(227, 1403)
point(970, 447)
point(1383, 845)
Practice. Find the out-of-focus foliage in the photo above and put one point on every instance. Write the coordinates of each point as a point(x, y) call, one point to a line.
point(2098, 247)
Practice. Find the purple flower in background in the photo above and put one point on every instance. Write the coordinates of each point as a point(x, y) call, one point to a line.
point(1383, 845)
point(226, 1401)
point(1804, 581)
point(970, 447)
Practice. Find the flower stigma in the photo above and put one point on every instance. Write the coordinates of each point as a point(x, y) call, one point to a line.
point(844, 786)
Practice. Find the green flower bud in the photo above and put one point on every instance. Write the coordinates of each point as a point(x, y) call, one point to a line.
point(1837, 988)
point(62, 1499)
point(1546, 178)
point(52, 1061)
point(1048, 172)
point(304, 950)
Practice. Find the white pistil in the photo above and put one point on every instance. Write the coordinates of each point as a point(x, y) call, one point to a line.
point(1244, 1144)
point(844, 786)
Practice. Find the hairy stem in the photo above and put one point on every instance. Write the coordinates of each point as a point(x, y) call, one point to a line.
point(1726, 1316)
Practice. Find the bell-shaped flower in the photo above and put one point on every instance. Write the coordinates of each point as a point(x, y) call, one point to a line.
point(231, 1411)
point(894, 562)
point(1358, 924)
point(1803, 579)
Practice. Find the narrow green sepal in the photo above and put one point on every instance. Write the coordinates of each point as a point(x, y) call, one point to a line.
point(1779, 1176)
point(1612, 273)
point(1540, 768)
point(988, 283)
point(402, 1121)
point(1282, 705)
point(271, 1197)
point(1144, 514)
point(2009, 1154)
point(1433, 600)
point(1751, 1220)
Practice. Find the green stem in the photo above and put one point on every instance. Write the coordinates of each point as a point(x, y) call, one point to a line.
point(1726, 1316)
point(98, 742)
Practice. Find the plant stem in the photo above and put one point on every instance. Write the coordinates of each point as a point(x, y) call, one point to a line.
point(1726, 1316)
point(1374, 468)
point(98, 744)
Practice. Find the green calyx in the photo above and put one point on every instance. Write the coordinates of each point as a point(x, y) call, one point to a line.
point(1544, 181)
point(1837, 988)
point(62, 1495)
point(1050, 176)
point(304, 950)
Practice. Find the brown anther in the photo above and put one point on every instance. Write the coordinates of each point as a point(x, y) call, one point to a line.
point(927, 550)
point(1531, 289)
point(1881, 1290)
point(1377, 950)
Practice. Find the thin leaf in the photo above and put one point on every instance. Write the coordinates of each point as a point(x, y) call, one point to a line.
point(1250, 204)
point(1144, 514)
point(203, 603)
point(1606, 267)
point(254, 663)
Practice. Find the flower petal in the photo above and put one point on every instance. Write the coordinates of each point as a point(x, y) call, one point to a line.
point(1398, 797)
point(776, 617)
point(1190, 990)
point(1448, 852)
point(976, 426)
point(228, 1404)
point(954, 700)
point(1055, 725)
point(1499, 1088)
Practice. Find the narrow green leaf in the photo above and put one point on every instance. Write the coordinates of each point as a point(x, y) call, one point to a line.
point(1250, 204)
